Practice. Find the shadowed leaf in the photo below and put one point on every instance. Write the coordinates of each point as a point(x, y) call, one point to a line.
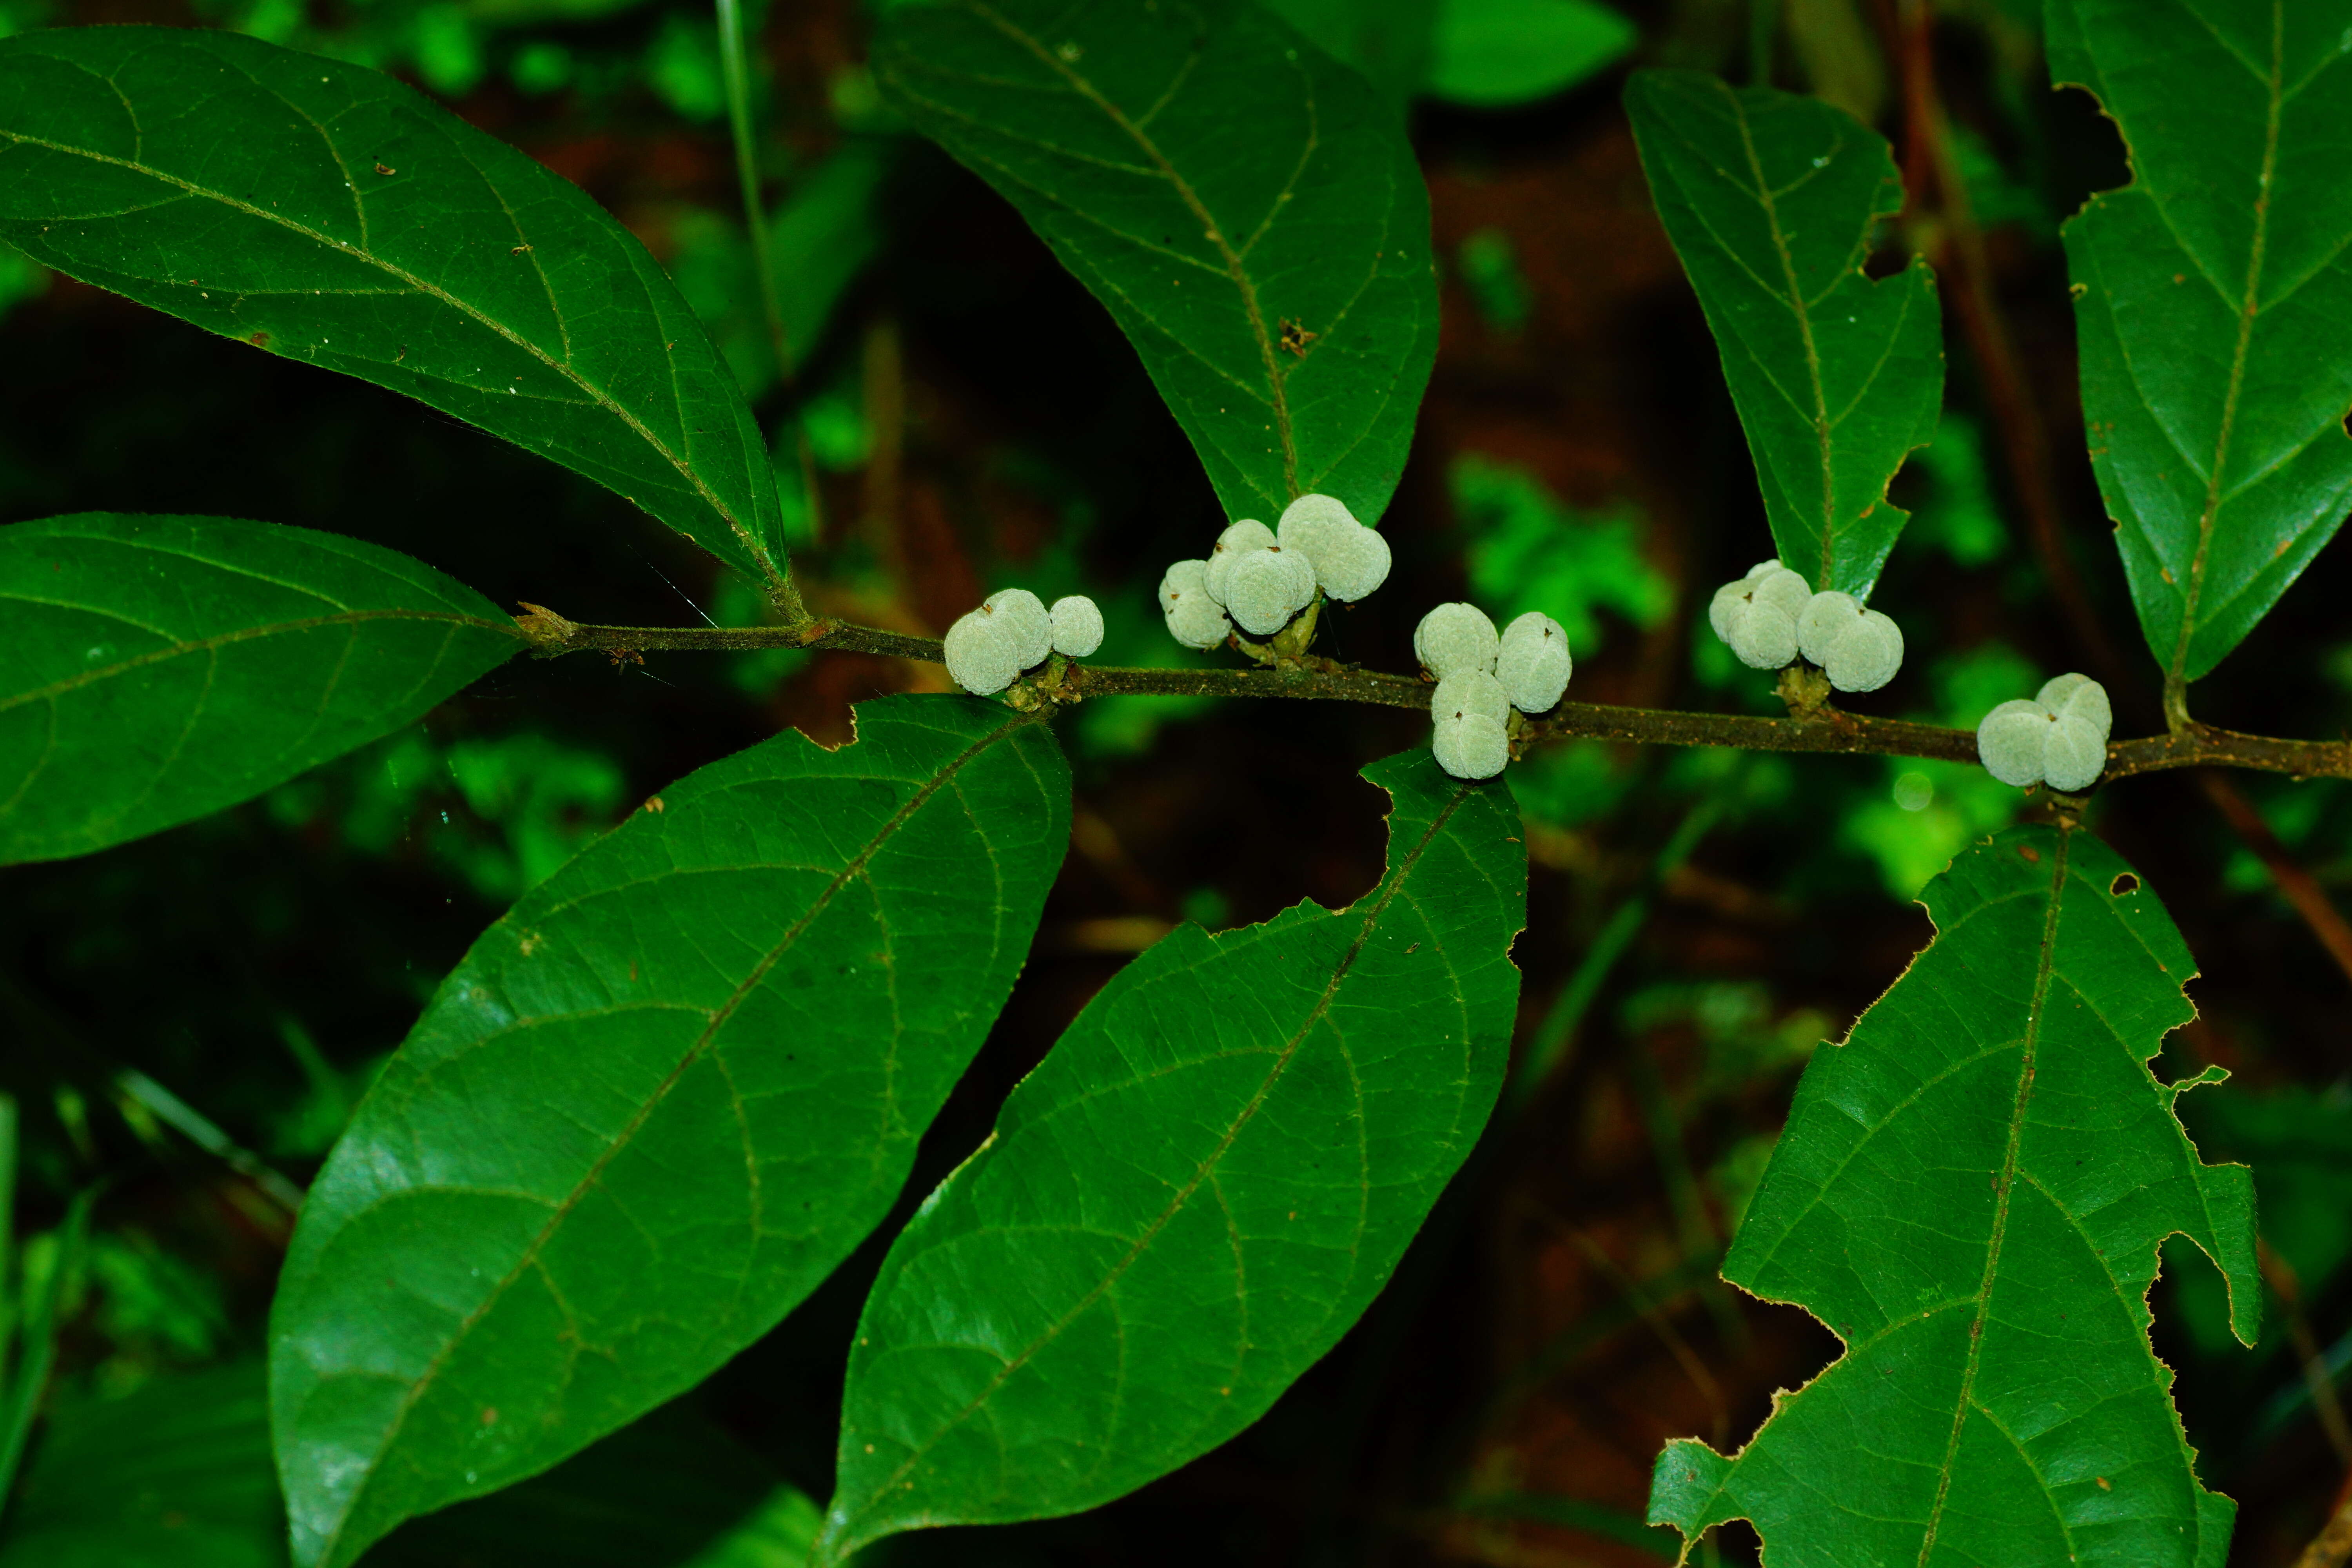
point(2213, 300)
point(1196, 1194)
point(330, 215)
point(1247, 208)
point(1772, 201)
point(1970, 1192)
point(653, 1106)
point(162, 668)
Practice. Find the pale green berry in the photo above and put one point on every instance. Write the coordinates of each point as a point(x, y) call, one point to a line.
point(1456, 638)
point(1533, 663)
point(1266, 587)
point(1194, 618)
point(980, 654)
point(1470, 745)
point(1242, 537)
point(1865, 654)
point(1077, 625)
point(2074, 756)
point(1470, 692)
point(1023, 615)
point(2013, 740)
point(2079, 697)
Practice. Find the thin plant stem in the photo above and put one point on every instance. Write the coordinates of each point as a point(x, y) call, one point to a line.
point(21, 1404)
point(1822, 728)
point(735, 71)
point(1548, 1049)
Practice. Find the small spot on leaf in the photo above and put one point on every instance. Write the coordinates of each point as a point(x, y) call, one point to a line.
point(2124, 884)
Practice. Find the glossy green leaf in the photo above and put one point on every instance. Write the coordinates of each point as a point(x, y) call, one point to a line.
point(166, 667)
point(1970, 1192)
point(1196, 1194)
point(653, 1106)
point(1247, 208)
point(1772, 201)
point(328, 214)
point(2213, 301)
point(1388, 42)
point(177, 1474)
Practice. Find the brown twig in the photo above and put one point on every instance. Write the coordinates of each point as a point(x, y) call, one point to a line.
point(1820, 728)
point(2300, 887)
point(2334, 1543)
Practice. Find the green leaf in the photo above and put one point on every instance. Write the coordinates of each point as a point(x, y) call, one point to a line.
point(1771, 201)
point(1203, 1186)
point(328, 213)
point(653, 1106)
point(166, 667)
point(1225, 188)
point(1388, 42)
point(1970, 1192)
point(175, 1475)
point(1491, 54)
point(2213, 300)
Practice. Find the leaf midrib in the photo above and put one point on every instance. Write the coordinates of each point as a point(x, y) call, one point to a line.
point(243, 633)
point(621, 1140)
point(2208, 517)
point(1801, 308)
point(843, 1534)
point(561, 368)
point(2045, 962)
point(1213, 230)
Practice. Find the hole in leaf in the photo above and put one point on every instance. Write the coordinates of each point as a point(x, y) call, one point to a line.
point(2125, 883)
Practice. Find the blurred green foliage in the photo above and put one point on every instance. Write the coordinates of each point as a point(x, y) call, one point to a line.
point(1530, 551)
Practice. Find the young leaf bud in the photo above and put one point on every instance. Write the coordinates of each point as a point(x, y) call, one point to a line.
point(1472, 746)
point(1235, 541)
point(1022, 616)
point(1470, 692)
point(981, 657)
point(1456, 638)
point(2074, 756)
point(1350, 560)
point(1533, 663)
point(1866, 655)
point(1266, 587)
point(2079, 697)
point(2013, 740)
point(1828, 616)
point(1194, 618)
point(1077, 625)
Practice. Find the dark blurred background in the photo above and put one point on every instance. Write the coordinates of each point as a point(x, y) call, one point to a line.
point(188, 1018)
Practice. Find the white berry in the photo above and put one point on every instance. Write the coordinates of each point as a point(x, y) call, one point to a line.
point(1470, 692)
point(1194, 618)
point(1266, 587)
point(1827, 617)
point(1532, 662)
point(1470, 745)
point(1077, 625)
point(2013, 740)
point(1022, 616)
point(1758, 615)
point(980, 654)
point(1456, 638)
point(1350, 560)
point(2074, 755)
point(2079, 697)
point(1245, 535)
point(1866, 656)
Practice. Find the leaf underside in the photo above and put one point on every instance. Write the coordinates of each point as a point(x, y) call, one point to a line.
point(2214, 301)
point(653, 1106)
point(1248, 210)
point(1197, 1192)
point(1772, 201)
point(1970, 1192)
point(164, 667)
point(328, 214)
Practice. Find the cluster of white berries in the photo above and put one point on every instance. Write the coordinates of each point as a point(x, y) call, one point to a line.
point(1773, 615)
point(1482, 677)
point(988, 650)
point(2058, 737)
point(1261, 577)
